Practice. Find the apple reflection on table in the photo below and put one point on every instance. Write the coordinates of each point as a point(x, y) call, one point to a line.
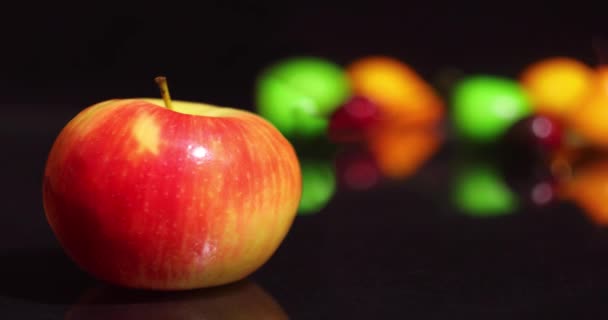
point(241, 300)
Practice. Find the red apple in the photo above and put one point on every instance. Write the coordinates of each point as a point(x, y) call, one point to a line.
point(145, 196)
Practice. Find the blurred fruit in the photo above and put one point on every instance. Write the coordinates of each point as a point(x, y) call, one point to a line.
point(352, 120)
point(589, 189)
point(486, 106)
point(356, 168)
point(400, 152)
point(590, 121)
point(400, 93)
point(480, 191)
point(600, 84)
point(557, 86)
point(299, 94)
point(542, 193)
point(536, 134)
point(530, 177)
point(525, 155)
point(318, 185)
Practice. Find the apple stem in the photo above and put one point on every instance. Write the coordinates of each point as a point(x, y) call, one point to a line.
point(164, 90)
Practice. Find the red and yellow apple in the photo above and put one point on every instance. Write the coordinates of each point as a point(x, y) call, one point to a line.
point(145, 196)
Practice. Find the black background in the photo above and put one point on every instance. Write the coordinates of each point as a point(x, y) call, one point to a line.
point(395, 252)
point(212, 51)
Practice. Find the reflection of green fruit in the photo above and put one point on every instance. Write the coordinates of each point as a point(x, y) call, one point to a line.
point(480, 192)
point(485, 107)
point(299, 94)
point(318, 185)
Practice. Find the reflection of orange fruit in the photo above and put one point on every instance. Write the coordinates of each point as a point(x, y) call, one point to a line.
point(401, 94)
point(601, 80)
point(400, 152)
point(591, 119)
point(589, 189)
point(558, 85)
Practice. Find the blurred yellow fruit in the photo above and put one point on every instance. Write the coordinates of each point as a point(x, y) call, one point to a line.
point(591, 120)
point(400, 93)
point(557, 86)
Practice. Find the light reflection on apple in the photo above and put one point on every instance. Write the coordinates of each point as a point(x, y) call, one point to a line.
point(199, 153)
point(241, 300)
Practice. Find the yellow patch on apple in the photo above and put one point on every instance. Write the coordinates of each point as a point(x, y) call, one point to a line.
point(147, 134)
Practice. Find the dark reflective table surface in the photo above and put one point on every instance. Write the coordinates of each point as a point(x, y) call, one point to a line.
point(413, 228)
point(373, 247)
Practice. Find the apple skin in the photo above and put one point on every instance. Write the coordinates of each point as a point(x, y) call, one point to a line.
point(146, 197)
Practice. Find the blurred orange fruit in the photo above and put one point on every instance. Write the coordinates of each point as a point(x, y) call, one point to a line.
point(557, 86)
point(400, 93)
point(589, 190)
point(400, 152)
point(590, 120)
